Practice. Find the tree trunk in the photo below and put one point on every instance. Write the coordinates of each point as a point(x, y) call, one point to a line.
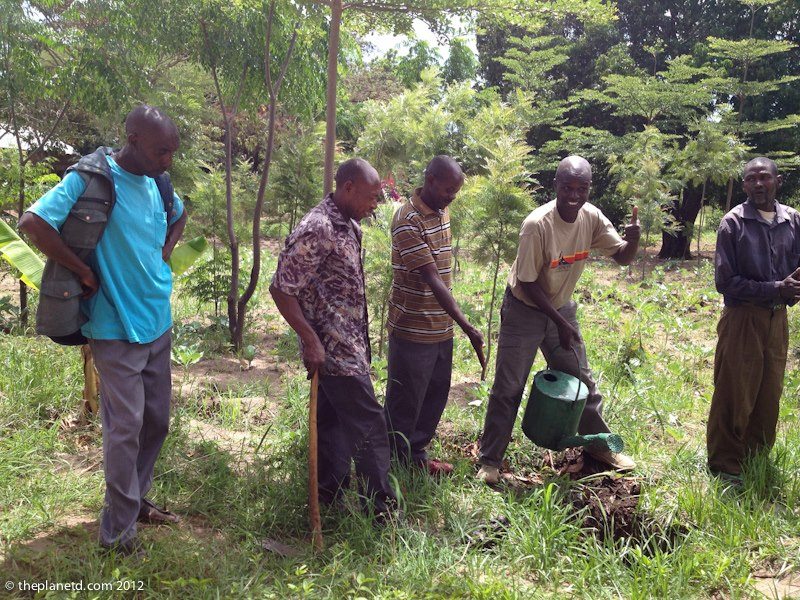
point(273, 89)
point(330, 109)
point(700, 221)
point(729, 195)
point(676, 245)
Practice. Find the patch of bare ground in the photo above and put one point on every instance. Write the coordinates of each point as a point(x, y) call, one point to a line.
point(777, 583)
point(226, 373)
point(608, 273)
point(8, 285)
point(238, 443)
point(463, 390)
point(88, 460)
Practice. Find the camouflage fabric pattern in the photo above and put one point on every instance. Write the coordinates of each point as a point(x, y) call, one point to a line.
point(320, 265)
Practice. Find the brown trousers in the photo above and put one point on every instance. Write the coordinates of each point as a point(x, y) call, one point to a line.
point(749, 365)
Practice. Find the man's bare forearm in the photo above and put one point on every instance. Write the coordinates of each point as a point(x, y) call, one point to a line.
point(174, 234)
point(443, 295)
point(540, 299)
point(627, 253)
point(49, 242)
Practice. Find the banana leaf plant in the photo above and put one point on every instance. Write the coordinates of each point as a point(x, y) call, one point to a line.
point(28, 265)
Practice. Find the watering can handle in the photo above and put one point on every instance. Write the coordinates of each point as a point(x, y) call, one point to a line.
point(578, 364)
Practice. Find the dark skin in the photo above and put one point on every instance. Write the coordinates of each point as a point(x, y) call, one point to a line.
point(572, 184)
point(761, 182)
point(151, 143)
point(356, 198)
point(439, 192)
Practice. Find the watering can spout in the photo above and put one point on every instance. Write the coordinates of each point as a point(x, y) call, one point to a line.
point(608, 441)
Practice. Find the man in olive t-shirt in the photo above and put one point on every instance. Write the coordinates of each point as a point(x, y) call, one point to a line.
point(538, 310)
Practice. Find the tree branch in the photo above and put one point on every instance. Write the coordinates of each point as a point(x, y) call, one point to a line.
point(50, 133)
point(262, 186)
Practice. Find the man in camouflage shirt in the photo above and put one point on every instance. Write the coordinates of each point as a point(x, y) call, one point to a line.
point(318, 287)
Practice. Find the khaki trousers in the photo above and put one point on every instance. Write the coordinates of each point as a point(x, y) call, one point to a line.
point(749, 365)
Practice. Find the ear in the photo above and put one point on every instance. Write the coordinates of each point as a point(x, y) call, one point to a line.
point(133, 139)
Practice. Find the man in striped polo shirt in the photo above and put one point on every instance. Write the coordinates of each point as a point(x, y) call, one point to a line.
point(421, 314)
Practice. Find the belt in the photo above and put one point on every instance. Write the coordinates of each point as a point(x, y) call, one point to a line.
point(770, 307)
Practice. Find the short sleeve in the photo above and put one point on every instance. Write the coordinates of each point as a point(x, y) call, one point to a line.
point(530, 255)
point(604, 237)
point(177, 209)
point(55, 205)
point(299, 262)
point(411, 246)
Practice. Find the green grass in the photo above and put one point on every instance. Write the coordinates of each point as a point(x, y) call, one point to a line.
point(651, 346)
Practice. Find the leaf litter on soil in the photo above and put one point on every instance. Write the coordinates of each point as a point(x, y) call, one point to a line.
point(609, 504)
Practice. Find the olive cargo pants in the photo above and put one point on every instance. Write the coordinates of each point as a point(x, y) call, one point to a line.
point(749, 365)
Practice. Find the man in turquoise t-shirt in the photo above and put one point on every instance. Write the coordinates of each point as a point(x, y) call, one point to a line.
point(127, 285)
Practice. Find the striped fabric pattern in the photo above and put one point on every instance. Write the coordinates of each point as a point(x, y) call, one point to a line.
point(420, 236)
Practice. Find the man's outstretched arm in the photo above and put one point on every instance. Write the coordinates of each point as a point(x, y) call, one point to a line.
point(431, 276)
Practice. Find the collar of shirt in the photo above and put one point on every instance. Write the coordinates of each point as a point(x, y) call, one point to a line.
point(749, 211)
point(418, 203)
point(338, 219)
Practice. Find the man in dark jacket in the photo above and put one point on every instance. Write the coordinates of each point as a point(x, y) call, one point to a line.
point(757, 259)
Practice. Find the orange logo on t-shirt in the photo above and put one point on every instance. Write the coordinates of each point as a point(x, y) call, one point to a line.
point(568, 260)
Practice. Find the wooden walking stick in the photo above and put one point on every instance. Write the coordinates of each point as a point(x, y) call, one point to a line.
point(313, 485)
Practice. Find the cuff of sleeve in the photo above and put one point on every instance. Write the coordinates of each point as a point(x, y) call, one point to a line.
point(612, 251)
point(44, 218)
point(281, 287)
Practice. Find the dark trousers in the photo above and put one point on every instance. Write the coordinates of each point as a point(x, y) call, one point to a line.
point(135, 391)
point(416, 394)
point(749, 365)
point(351, 427)
point(523, 330)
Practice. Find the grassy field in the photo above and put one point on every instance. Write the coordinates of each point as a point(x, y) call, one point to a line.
point(234, 466)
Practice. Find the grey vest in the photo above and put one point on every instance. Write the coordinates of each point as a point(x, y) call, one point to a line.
point(59, 315)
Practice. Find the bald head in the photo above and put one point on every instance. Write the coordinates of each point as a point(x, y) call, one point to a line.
point(762, 162)
point(761, 182)
point(443, 180)
point(573, 183)
point(151, 141)
point(358, 188)
point(149, 120)
point(355, 170)
point(574, 166)
point(443, 166)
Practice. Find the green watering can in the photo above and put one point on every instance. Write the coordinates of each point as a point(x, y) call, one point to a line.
point(554, 409)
